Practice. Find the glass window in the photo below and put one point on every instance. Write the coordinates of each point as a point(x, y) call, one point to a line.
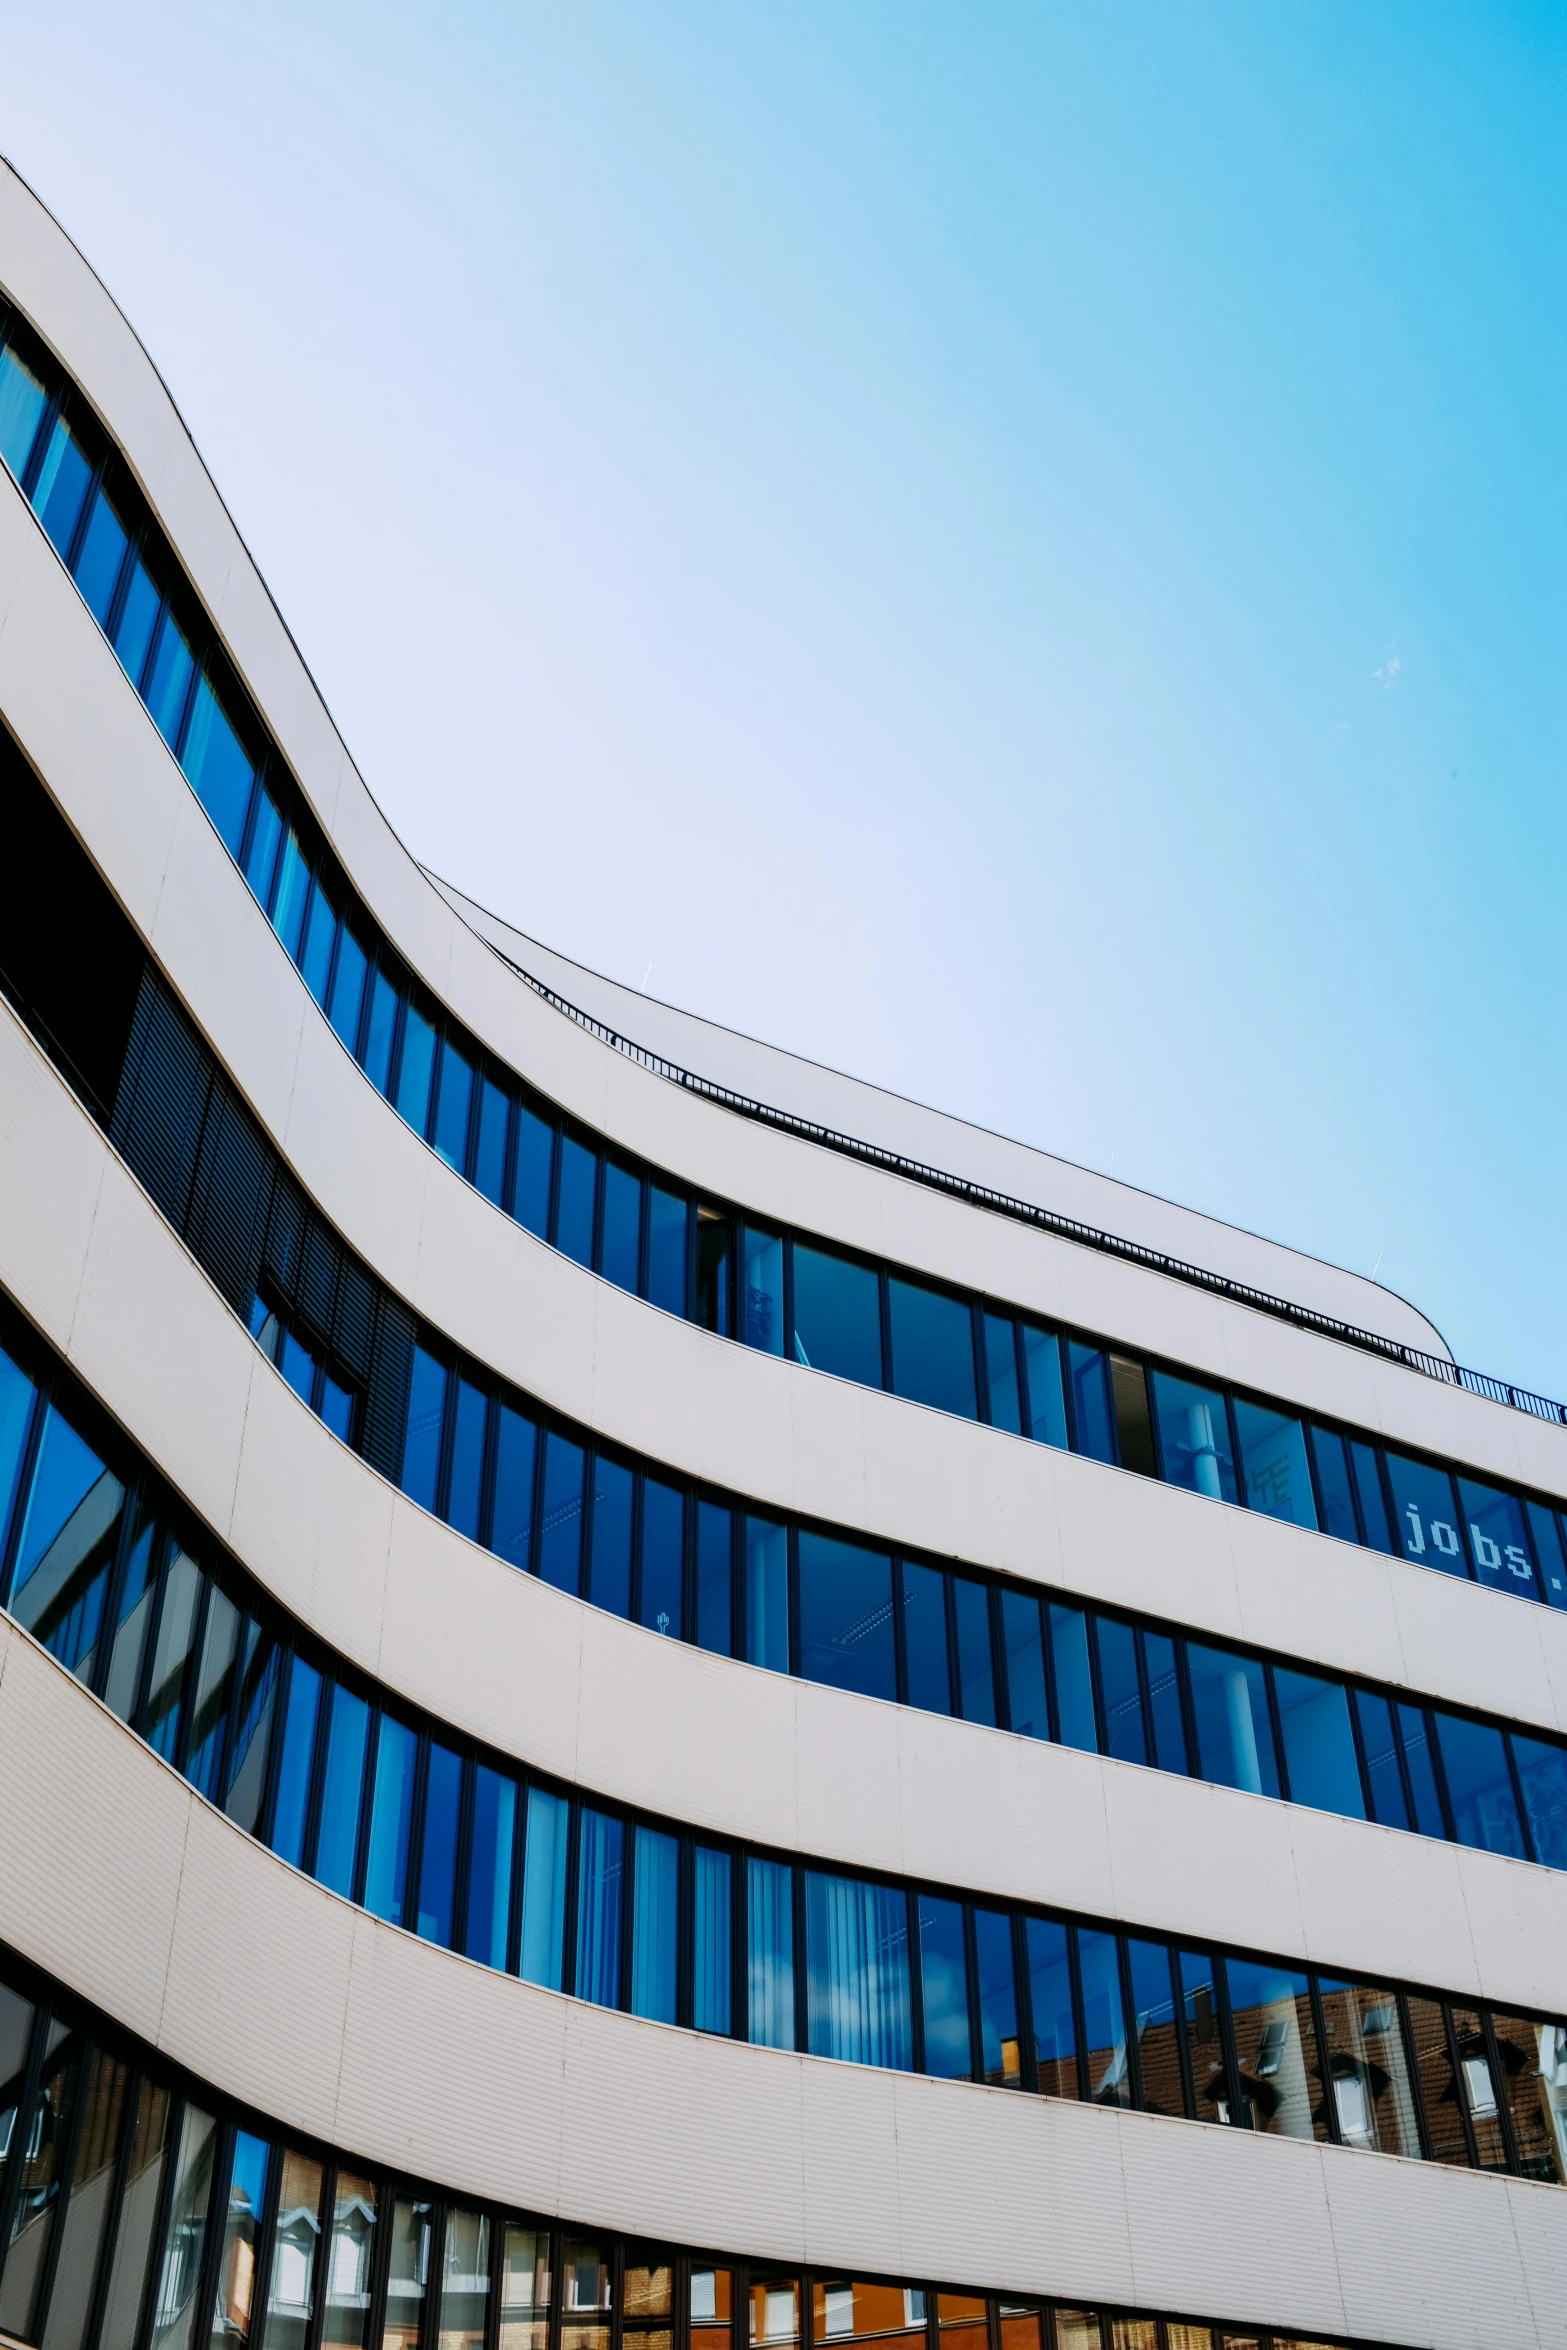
point(1000, 2062)
point(655, 1925)
point(209, 1711)
point(242, 2226)
point(16, 1416)
point(712, 2303)
point(578, 1199)
point(465, 2281)
point(1121, 1687)
point(944, 1988)
point(221, 770)
point(337, 1840)
point(1429, 1820)
point(711, 1938)
point(1333, 1484)
point(525, 2287)
point(1479, 1785)
point(1194, 1436)
point(408, 2271)
point(102, 557)
point(1319, 1743)
point(1483, 2090)
point(21, 407)
point(599, 1875)
point(1542, 1773)
point(348, 988)
point(1050, 1999)
point(173, 666)
point(42, 2150)
point(621, 1253)
point(1234, 1736)
point(769, 1901)
point(837, 1315)
point(422, 1444)
point(1046, 1393)
point(1074, 1683)
point(467, 1480)
point(535, 1171)
point(490, 1865)
point(666, 1249)
point(1006, 1410)
point(925, 1637)
point(454, 1100)
point(560, 1533)
point(1373, 2099)
point(1273, 1463)
point(60, 491)
point(93, 2169)
point(1027, 1710)
point(714, 1577)
point(266, 833)
point(415, 1068)
point(1545, 1528)
point(1271, 2010)
point(1379, 1738)
point(489, 1164)
point(1534, 2083)
point(663, 1557)
point(857, 1971)
point(126, 2288)
point(315, 961)
point(614, 1489)
point(1092, 1413)
point(1439, 2091)
point(846, 1616)
point(185, 2236)
point(1164, 1703)
point(1195, 1972)
point(65, 1550)
point(1155, 2029)
point(438, 1846)
point(381, 1032)
point(337, 1407)
point(585, 2310)
point(182, 1589)
point(295, 1762)
point(297, 1364)
point(133, 1620)
point(1498, 1538)
point(932, 1347)
point(1133, 1427)
point(291, 2294)
point(1426, 1514)
point(139, 609)
point(775, 2310)
point(976, 1674)
point(761, 1303)
point(715, 1234)
point(767, 1594)
point(256, 1681)
point(1368, 1489)
point(511, 1528)
point(350, 2262)
point(544, 1889)
point(1104, 2017)
point(391, 1812)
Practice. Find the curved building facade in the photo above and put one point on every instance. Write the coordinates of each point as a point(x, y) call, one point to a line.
point(650, 1700)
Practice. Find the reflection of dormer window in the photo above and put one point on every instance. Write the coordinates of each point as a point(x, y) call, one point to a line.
point(1353, 2107)
point(1480, 2087)
point(1270, 2048)
point(1378, 2020)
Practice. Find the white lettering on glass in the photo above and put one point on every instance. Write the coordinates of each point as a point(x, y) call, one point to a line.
point(1414, 1540)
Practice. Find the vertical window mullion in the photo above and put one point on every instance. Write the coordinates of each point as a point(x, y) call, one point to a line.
point(1504, 2103)
point(416, 1812)
point(981, 1364)
point(998, 1656)
point(1079, 2014)
point(43, 1390)
point(911, 1911)
point(1233, 1426)
point(1319, 2024)
point(1276, 1733)
point(1183, 1687)
point(976, 2029)
point(1460, 2093)
point(1362, 1761)
point(1134, 2054)
point(1240, 2116)
point(1144, 1693)
point(1027, 2047)
point(1518, 1796)
point(43, 433)
point(114, 2202)
point(1047, 1649)
point(1025, 1409)
point(1096, 1680)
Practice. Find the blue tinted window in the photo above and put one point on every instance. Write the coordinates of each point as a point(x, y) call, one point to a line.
point(714, 1577)
point(489, 1866)
point(1046, 1393)
point(70, 1526)
point(511, 1526)
point(1319, 1743)
point(266, 835)
point(138, 1591)
point(1001, 1374)
point(183, 1584)
point(438, 1852)
point(139, 610)
point(1195, 1972)
point(560, 1535)
point(666, 1249)
point(1271, 2010)
point(102, 559)
point(1545, 1528)
point(1338, 1500)
point(663, 1556)
point(298, 1366)
point(210, 1704)
point(1479, 1785)
point(1074, 1684)
point(544, 1890)
point(21, 407)
point(1542, 1772)
point(452, 1108)
point(489, 1166)
point(1092, 1412)
point(997, 1984)
point(769, 1902)
point(655, 1925)
point(599, 1876)
point(1273, 1464)
point(761, 1291)
point(1234, 1737)
point(462, 1509)
point(296, 1762)
point(846, 1616)
point(1164, 1702)
point(1104, 2018)
point(16, 1413)
point(578, 1197)
point(219, 767)
point(932, 1348)
point(1050, 1997)
point(767, 1594)
point(1368, 1488)
point(255, 1694)
point(381, 1032)
point(944, 1988)
point(609, 1585)
point(1498, 1538)
point(1153, 2025)
point(976, 1675)
point(1379, 1739)
point(168, 688)
point(422, 1444)
point(292, 894)
point(391, 1812)
point(415, 1067)
point(925, 1637)
point(535, 1166)
point(1426, 1515)
point(337, 1842)
point(711, 1998)
point(1422, 1771)
point(1194, 1436)
point(315, 961)
point(1026, 1707)
point(622, 1250)
point(837, 1315)
point(715, 1234)
point(857, 1971)
point(1123, 1699)
point(337, 1407)
point(61, 488)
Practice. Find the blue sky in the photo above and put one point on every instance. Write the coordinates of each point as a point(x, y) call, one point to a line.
point(1016, 549)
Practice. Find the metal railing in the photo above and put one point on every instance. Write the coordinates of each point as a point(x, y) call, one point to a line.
point(1001, 1203)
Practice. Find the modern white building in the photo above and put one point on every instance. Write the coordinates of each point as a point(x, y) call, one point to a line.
point(650, 1700)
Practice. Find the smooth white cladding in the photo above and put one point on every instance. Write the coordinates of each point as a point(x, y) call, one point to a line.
point(340, 2027)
